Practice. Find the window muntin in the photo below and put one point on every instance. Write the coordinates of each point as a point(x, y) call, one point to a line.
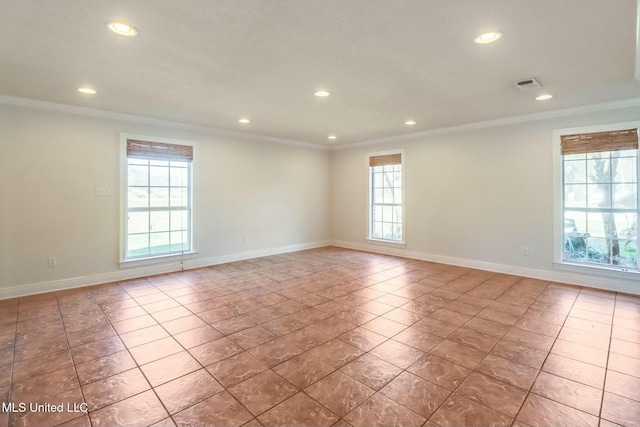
point(158, 201)
point(600, 208)
point(386, 199)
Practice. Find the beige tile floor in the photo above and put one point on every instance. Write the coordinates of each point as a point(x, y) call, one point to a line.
point(320, 338)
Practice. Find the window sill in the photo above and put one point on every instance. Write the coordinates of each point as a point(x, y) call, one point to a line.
point(612, 272)
point(387, 243)
point(160, 259)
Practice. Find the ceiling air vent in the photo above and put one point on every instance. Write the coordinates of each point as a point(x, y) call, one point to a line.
point(527, 84)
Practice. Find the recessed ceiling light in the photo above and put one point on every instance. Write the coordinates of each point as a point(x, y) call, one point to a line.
point(332, 137)
point(244, 121)
point(487, 37)
point(544, 97)
point(122, 28)
point(410, 122)
point(87, 90)
point(321, 93)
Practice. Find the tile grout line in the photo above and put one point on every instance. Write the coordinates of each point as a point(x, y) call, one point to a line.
point(153, 388)
point(529, 392)
point(606, 369)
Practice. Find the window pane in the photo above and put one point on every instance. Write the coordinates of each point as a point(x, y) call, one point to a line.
point(160, 221)
point(624, 153)
point(137, 244)
point(575, 227)
point(138, 222)
point(626, 170)
point(397, 179)
point(598, 170)
point(377, 230)
point(138, 197)
point(599, 195)
point(377, 180)
point(377, 196)
point(159, 197)
point(179, 177)
point(397, 214)
point(159, 176)
point(626, 225)
point(138, 175)
point(628, 253)
point(387, 230)
point(598, 251)
point(575, 196)
point(397, 232)
point(387, 213)
point(625, 195)
point(179, 197)
point(596, 224)
point(397, 195)
point(575, 222)
point(178, 240)
point(575, 172)
point(388, 195)
point(159, 243)
point(179, 220)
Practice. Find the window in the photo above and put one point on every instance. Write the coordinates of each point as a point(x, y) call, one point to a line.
point(600, 199)
point(386, 218)
point(158, 199)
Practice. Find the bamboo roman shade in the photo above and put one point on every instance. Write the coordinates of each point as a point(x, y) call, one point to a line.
point(389, 159)
point(159, 151)
point(600, 141)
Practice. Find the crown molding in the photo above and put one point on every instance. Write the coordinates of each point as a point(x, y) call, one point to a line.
point(591, 108)
point(131, 118)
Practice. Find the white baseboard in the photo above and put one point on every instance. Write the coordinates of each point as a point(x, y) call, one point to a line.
point(626, 286)
point(592, 281)
point(132, 273)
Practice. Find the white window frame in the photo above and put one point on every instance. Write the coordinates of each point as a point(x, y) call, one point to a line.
point(152, 259)
point(558, 203)
point(369, 228)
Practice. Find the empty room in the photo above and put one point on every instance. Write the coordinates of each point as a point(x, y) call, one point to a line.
point(319, 213)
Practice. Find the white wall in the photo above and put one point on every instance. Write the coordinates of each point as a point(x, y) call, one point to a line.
point(51, 162)
point(473, 198)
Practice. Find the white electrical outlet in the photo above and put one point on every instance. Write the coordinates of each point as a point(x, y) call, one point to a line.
point(245, 239)
point(525, 251)
point(294, 232)
point(52, 261)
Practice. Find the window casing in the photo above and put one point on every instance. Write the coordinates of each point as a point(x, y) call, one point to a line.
point(158, 199)
point(599, 200)
point(386, 197)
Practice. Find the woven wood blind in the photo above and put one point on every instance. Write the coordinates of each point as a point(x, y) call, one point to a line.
point(389, 159)
point(159, 151)
point(600, 141)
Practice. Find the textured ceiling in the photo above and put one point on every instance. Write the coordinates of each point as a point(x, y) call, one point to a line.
point(210, 62)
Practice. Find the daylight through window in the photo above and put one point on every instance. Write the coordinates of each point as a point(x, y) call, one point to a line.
point(600, 198)
point(158, 199)
point(386, 198)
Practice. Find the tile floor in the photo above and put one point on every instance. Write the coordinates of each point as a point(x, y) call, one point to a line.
point(320, 338)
